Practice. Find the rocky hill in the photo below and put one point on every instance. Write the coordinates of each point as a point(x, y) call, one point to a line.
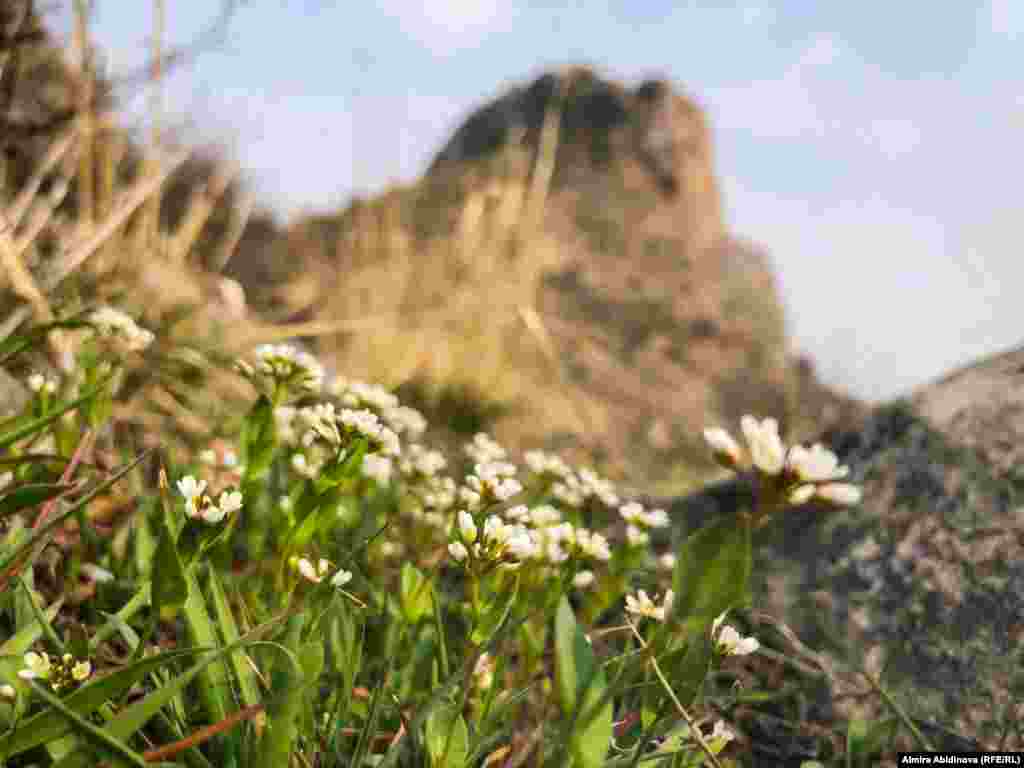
point(566, 255)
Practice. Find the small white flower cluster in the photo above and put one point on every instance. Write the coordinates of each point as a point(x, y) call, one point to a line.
point(285, 364)
point(198, 505)
point(39, 383)
point(112, 323)
point(318, 572)
point(573, 488)
point(544, 463)
point(643, 606)
point(367, 424)
point(59, 673)
point(638, 520)
point(377, 468)
point(554, 540)
point(419, 461)
point(420, 467)
point(359, 395)
point(806, 473)
point(484, 450)
point(729, 642)
point(490, 482)
point(499, 542)
point(320, 431)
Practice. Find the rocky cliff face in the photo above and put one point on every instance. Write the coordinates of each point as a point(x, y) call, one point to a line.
point(634, 311)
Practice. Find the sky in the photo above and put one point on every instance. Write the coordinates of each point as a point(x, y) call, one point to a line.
point(873, 148)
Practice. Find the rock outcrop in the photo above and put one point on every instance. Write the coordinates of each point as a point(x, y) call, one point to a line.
point(594, 251)
point(923, 585)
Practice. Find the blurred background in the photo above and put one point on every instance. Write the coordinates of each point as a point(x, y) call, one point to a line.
point(618, 220)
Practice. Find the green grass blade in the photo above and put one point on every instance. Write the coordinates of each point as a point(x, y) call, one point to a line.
point(248, 689)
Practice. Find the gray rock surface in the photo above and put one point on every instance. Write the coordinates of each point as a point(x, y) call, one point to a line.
point(923, 583)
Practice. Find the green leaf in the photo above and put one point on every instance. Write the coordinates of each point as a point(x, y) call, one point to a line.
point(258, 440)
point(712, 573)
point(414, 594)
point(334, 474)
point(570, 653)
point(592, 735)
point(214, 689)
point(248, 689)
point(28, 496)
point(447, 738)
point(170, 587)
point(581, 687)
point(82, 726)
point(288, 678)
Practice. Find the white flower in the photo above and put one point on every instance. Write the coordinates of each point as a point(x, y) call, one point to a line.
point(816, 465)
point(632, 513)
point(544, 515)
point(729, 641)
point(94, 573)
point(643, 606)
point(230, 501)
point(38, 666)
point(458, 551)
point(518, 513)
point(655, 518)
point(406, 420)
point(483, 671)
point(636, 537)
point(80, 672)
point(341, 578)
point(583, 579)
point(766, 448)
point(667, 561)
point(841, 494)
point(722, 734)
point(483, 449)
point(192, 490)
point(506, 489)
point(377, 468)
point(727, 451)
point(110, 322)
point(496, 532)
point(593, 545)
point(540, 463)
point(310, 572)
point(467, 528)
point(523, 544)
point(282, 362)
point(36, 382)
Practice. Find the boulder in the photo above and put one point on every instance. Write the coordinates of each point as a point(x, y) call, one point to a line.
point(922, 585)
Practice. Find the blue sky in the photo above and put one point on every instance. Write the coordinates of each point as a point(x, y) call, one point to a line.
point(874, 148)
